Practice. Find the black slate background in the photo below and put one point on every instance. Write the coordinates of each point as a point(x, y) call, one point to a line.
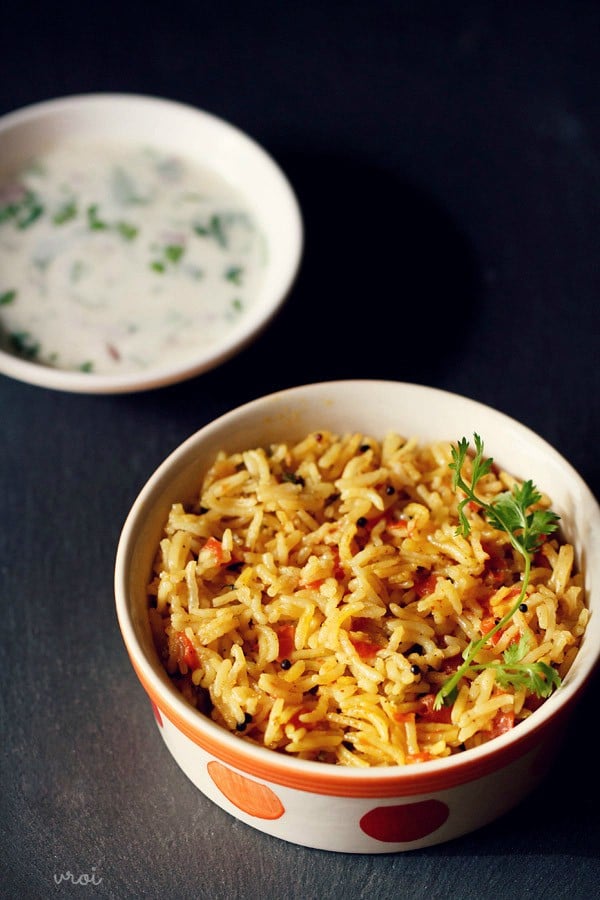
point(447, 160)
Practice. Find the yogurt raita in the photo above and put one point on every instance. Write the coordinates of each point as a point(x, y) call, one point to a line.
point(116, 257)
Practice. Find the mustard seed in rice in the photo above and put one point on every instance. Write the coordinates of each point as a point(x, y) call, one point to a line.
point(317, 595)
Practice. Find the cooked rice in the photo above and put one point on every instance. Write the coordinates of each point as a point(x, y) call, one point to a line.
point(317, 595)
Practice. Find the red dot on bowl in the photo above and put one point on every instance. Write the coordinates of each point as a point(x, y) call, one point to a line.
point(406, 822)
point(249, 796)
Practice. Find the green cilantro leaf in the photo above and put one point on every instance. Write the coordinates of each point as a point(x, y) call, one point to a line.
point(66, 212)
point(536, 677)
point(94, 221)
point(7, 297)
point(509, 512)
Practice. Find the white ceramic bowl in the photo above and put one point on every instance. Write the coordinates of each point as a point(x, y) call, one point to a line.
point(377, 810)
point(205, 141)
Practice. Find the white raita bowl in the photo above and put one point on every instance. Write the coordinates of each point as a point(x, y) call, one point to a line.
point(69, 257)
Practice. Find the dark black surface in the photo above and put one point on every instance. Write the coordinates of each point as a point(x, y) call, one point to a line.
point(447, 161)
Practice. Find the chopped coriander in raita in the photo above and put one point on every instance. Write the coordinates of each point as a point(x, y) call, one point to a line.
point(114, 257)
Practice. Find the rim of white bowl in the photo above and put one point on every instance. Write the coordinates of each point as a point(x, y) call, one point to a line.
point(272, 293)
point(278, 766)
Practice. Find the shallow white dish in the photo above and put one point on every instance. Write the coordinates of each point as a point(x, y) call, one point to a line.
point(376, 810)
point(215, 146)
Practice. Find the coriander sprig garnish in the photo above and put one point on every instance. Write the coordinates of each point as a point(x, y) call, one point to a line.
point(511, 512)
point(537, 677)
